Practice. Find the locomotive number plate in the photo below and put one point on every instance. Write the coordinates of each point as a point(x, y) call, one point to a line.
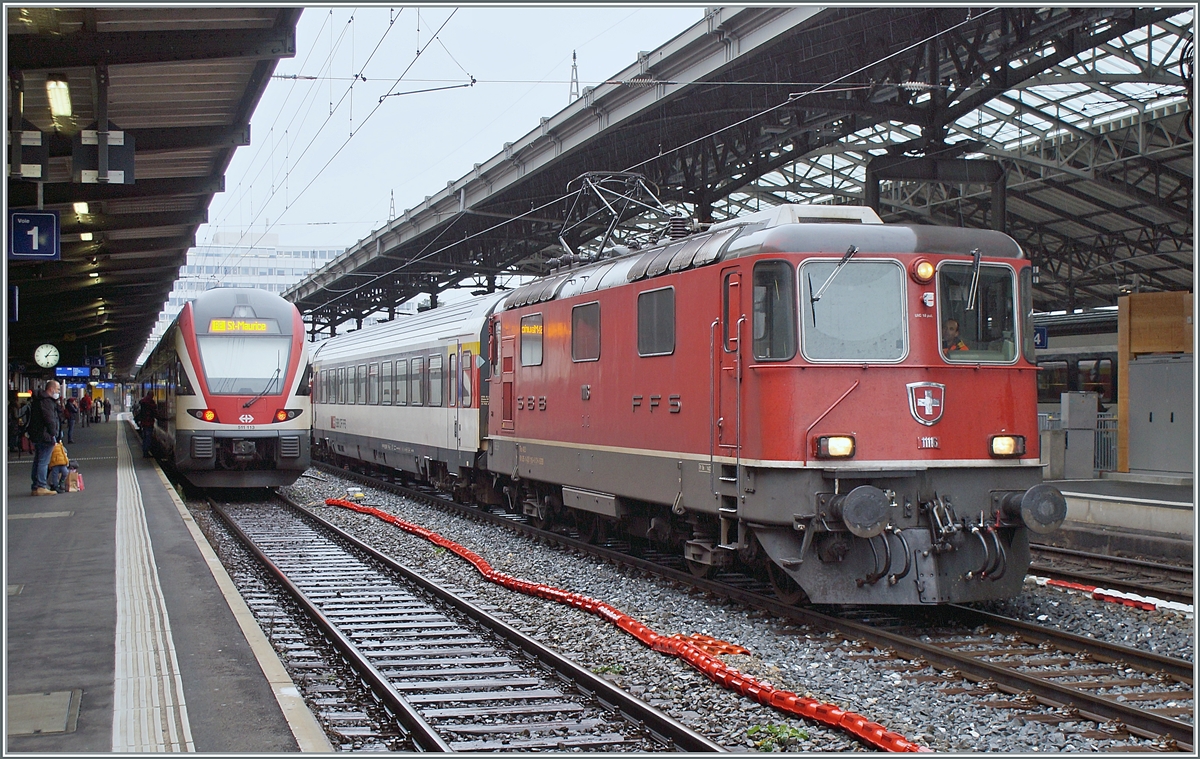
point(927, 441)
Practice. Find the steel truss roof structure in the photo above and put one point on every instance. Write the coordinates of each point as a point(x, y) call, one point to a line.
point(1069, 128)
point(183, 82)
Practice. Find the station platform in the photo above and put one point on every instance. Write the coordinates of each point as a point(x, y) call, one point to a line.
point(124, 633)
point(1126, 516)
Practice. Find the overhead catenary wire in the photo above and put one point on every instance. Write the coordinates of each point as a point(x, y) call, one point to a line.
point(343, 145)
point(792, 98)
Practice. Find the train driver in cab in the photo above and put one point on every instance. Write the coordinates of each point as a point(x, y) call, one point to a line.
point(950, 339)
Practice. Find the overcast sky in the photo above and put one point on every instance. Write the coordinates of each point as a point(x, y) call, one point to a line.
point(292, 177)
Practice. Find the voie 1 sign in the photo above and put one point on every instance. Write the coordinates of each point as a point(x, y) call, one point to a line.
point(33, 236)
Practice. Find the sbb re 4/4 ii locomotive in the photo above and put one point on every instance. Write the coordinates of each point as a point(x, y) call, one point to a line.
point(846, 406)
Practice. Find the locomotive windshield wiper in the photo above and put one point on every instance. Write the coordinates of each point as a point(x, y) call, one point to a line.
point(974, 279)
point(265, 390)
point(849, 253)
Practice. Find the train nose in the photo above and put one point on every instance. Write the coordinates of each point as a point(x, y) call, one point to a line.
point(1043, 508)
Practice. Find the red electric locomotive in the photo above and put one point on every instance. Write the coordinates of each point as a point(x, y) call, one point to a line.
point(847, 405)
point(230, 378)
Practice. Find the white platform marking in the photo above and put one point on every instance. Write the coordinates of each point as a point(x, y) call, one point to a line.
point(149, 712)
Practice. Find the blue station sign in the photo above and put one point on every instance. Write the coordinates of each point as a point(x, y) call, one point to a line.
point(1041, 337)
point(72, 371)
point(33, 236)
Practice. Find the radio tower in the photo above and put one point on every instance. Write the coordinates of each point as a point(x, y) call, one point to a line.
point(392, 207)
point(574, 80)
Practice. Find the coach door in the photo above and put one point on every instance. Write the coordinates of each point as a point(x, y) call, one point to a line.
point(727, 367)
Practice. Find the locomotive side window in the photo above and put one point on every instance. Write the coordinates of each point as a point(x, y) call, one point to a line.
point(452, 379)
point(774, 312)
point(859, 317)
point(182, 386)
point(1051, 381)
point(362, 383)
point(656, 322)
point(306, 381)
point(731, 309)
point(414, 382)
point(385, 383)
point(1027, 347)
point(402, 382)
point(986, 332)
point(531, 340)
point(585, 332)
point(373, 385)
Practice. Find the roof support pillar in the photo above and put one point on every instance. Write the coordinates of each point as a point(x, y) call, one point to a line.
point(16, 85)
point(1000, 202)
point(102, 122)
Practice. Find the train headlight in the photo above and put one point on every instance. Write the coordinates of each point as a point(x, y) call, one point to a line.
point(285, 414)
point(203, 414)
point(835, 446)
point(1007, 446)
point(922, 271)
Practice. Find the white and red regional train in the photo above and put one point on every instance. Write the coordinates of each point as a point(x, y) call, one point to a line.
point(230, 380)
point(780, 391)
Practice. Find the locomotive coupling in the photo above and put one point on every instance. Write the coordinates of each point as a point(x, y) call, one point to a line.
point(865, 510)
point(1042, 508)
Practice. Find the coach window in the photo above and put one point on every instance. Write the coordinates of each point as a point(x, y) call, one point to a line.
point(585, 332)
point(414, 382)
point(351, 385)
point(385, 382)
point(531, 340)
point(362, 383)
point(402, 382)
point(1052, 381)
point(1096, 376)
point(452, 380)
point(435, 380)
point(373, 385)
point(860, 315)
point(341, 385)
point(774, 312)
point(656, 322)
point(467, 366)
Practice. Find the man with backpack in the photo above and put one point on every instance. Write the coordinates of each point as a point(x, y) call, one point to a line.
point(147, 415)
point(43, 431)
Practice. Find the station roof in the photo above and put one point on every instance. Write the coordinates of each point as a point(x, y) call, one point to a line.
point(1085, 112)
point(183, 82)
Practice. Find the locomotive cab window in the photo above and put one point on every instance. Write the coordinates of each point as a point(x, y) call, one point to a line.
point(859, 316)
point(585, 332)
point(245, 364)
point(774, 312)
point(531, 340)
point(988, 330)
point(656, 322)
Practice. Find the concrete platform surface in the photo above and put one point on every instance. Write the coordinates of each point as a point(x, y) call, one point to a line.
point(124, 634)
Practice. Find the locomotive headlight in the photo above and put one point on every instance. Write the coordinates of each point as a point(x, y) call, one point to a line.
point(204, 414)
point(284, 414)
point(1008, 445)
point(922, 271)
point(835, 447)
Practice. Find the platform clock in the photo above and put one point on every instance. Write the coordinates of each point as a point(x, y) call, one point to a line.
point(46, 356)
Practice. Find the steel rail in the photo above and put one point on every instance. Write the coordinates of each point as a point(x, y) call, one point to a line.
point(424, 736)
point(663, 727)
point(1092, 706)
point(1183, 575)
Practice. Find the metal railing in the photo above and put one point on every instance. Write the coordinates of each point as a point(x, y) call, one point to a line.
point(1106, 437)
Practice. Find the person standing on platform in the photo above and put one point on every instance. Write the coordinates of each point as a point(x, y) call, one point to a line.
point(85, 409)
point(43, 431)
point(107, 409)
point(71, 412)
point(146, 416)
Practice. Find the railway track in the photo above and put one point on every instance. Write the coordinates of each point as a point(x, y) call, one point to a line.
point(1124, 690)
point(1145, 578)
point(455, 676)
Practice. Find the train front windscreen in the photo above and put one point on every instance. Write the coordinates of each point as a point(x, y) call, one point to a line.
point(243, 364)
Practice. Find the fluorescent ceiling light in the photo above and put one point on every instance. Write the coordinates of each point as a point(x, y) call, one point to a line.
point(85, 236)
point(80, 208)
point(59, 93)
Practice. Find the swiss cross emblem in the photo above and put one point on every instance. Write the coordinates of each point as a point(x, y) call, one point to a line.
point(926, 400)
point(245, 418)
